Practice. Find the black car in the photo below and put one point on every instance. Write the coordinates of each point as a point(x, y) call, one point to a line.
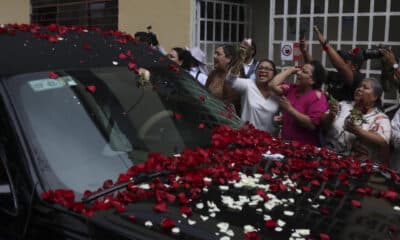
point(92, 149)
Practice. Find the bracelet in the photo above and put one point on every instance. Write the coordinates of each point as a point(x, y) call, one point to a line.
point(324, 43)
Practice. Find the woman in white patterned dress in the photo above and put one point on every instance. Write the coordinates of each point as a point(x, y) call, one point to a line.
point(359, 128)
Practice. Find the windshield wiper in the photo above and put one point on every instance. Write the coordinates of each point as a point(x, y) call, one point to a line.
point(140, 178)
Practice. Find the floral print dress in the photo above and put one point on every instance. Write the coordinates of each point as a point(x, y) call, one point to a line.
point(346, 143)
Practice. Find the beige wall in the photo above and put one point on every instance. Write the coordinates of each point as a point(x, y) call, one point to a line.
point(15, 11)
point(171, 20)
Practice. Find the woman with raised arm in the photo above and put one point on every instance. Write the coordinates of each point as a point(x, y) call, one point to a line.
point(302, 103)
point(258, 101)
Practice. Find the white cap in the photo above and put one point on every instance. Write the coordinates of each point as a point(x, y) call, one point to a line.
point(200, 56)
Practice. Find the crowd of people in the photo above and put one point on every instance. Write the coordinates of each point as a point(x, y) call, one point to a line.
point(340, 110)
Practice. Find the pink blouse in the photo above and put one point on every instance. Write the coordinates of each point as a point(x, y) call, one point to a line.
point(313, 104)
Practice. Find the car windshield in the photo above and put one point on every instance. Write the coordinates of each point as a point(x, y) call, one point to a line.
point(87, 126)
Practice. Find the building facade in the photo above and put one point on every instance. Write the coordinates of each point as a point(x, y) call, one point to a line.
point(209, 23)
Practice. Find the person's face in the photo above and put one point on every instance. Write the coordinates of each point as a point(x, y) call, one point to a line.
point(264, 72)
point(221, 61)
point(364, 94)
point(305, 76)
point(173, 55)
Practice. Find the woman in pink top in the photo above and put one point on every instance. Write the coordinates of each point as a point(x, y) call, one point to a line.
point(302, 103)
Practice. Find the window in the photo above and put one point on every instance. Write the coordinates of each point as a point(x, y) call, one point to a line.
point(346, 23)
point(220, 22)
point(91, 13)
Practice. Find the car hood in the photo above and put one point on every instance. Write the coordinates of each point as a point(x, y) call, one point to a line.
point(310, 215)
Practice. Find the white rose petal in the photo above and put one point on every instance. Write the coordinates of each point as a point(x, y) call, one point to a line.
point(224, 188)
point(200, 205)
point(191, 222)
point(278, 229)
point(281, 223)
point(115, 63)
point(267, 217)
point(248, 228)
point(175, 230)
point(213, 215)
point(223, 226)
point(315, 205)
point(145, 186)
point(207, 179)
point(303, 232)
point(148, 224)
point(288, 213)
point(396, 208)
point(204, 218)
point(225, 238)
point(322, 197)
point(230, 233)
point(205, 189)
point(259, 210)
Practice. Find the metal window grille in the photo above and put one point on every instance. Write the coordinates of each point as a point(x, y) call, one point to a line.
point(346, 23)
point(91, 13)
point(220, 22)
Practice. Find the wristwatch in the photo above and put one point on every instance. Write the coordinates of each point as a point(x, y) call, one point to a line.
point(395, 66)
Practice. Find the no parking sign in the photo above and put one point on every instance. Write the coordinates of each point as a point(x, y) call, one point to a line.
point(290, 51)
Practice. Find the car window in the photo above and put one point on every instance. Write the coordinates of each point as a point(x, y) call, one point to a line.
point(91, 125)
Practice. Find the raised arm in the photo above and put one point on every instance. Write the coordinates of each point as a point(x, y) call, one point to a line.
point(275, 83)
point(392, 71)
point(304, 50)
point(336, 60)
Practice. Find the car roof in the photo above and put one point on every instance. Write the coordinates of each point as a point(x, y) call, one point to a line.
point(33, 48)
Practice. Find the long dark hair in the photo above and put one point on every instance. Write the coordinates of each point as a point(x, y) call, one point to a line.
point(184, 56)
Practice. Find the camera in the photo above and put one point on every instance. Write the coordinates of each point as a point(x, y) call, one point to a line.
point(374, 53)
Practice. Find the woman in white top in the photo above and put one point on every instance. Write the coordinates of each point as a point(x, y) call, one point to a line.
point(395, 158)
point(259, 104)
point(359, 128)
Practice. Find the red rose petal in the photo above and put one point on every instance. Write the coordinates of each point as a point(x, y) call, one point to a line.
point(186, 210)
point(53, 75)
point(168, 223)
point(132, 217)
point(160, 207)
point(177, 116)
point(86, 46)
point(270, 223)
point(324, 236)
point(252, 236)
point(356, 203)
point(132, 65)
point(202, 125)
point(108, 183)
point(173, 67)
point(91, 88)
point(391, 195)
point(122, 56)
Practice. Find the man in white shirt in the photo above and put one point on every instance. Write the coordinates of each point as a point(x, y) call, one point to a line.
point(250, 63)
point(198, 68)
